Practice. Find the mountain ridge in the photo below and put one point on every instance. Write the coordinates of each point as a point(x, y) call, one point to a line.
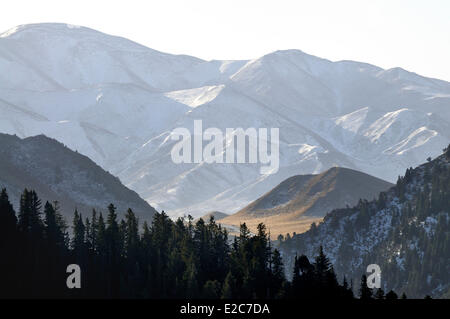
point(117, 104)
point(58, 174)
point(334, 178)
point(302, 199)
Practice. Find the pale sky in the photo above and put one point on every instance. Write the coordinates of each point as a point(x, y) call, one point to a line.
point(412, 34)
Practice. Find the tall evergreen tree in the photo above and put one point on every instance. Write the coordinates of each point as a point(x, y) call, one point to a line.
point(78, 240)
point(30, 222)
point(365, 293)
point(54, 225)
point(8, 220)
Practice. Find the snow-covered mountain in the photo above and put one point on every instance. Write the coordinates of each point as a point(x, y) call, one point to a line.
point(117, 102)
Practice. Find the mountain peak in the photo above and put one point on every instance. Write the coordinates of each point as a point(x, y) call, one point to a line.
point(303, 198)
point(65, 28)
point(57, 56)
point(295, 56)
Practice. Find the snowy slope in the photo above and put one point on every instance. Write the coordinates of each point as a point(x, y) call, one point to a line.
point(117, 101)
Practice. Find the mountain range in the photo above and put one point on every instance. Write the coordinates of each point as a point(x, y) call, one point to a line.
point(60, 174)
point(117, 102)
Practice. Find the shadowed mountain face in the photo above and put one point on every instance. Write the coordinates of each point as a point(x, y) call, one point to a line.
point(58, 174)
point(302, 199)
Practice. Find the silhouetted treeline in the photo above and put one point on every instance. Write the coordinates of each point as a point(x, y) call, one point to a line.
point(167, 259)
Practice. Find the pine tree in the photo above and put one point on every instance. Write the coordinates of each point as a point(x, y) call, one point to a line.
point(78, 242)
point(313, 229)
point(112, 234)
point(365, 293)
point(54, 225)
point(346, 290)
point(122, 239)
point(229, 287)
point(93, 235)
point(190, 277)
point(304, 279)
point(113, 250)
point(379, 294)
point(8, 220)
point(211, 290)
point(277, 275)
point(30, 221)
point(391, 295)
point(321, 266)
point(244, 232)
point(447, 152)
point(100, 242)
point(88, 234)
point(8, 247)
point(131, 236)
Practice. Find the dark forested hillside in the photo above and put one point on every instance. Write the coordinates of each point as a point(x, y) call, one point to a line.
point(60, 174)
point(405, 231)
point(167, 259)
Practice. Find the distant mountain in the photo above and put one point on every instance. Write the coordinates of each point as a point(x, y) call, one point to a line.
point(57, 173)
point(316, 195)
point(303, 198)
point(232, 230)
point(217, 216)
point(406, 231)
point(117, 102)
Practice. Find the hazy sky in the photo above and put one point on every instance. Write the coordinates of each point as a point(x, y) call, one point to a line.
point(413, 34)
